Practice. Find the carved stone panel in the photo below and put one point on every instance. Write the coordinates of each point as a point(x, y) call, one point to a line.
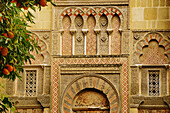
point(144, 83)
point(91, 39)
point(103, 37)
point(90, 83)
point(116, 37)
point(90, 100)
point(164, 82)
point(134, 81)
point(66, 36)
point(79, 38)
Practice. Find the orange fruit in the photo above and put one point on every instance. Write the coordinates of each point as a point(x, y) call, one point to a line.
point(27, 39)
point(10, 35)
point(4, 51)
point(9, 68)
point(13, 1)
point(43, 3)
point(18, 5)
point(5, 34)
point(14, 69)
point(5, 18)
point(0, 18)
point(25, 8)
point(1, 48)
point(5, 71)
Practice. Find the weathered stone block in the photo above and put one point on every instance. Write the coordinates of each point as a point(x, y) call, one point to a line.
point(133, 3)
point(150, 13)
point(163, 24)
point(163, 13)
point(138, 3)
point(168, 3)
point(155, 3)
point(162, 2)
point(138, 25)
point(143, 3)
point(149, 3)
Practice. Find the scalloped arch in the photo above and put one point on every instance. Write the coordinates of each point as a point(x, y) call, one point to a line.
point(152, 36)
point(103, 11)
point(92, 10)
point(43, 46)
point(78, 11)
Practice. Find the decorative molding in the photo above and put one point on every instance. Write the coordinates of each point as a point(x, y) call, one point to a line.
point(135, 101)
point(44, 100)
point(144, 38)
point(25, 102)
point(149, 102)
point(91, 56)
point(166, 99)
point(91, 2)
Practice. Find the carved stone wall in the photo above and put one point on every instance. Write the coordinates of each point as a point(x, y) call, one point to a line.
point(71, 74)
point(151, 48)
point(91, 31)
point(151, 62)
point(33, 93)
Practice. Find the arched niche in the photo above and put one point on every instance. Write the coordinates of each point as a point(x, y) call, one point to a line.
point(90, 84)
point(90, 100)
point(154, 47)
point(43, 57)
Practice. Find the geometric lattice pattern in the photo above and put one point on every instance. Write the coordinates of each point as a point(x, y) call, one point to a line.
point(102, 60)
point(153, 83)
point(31, 82)
point(91, 42)
point(115, 37)
point(66, 37)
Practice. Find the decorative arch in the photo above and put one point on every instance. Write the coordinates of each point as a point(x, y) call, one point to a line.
point(91, 11)
point(151, 37)
point(78, 11)
point(43, 49)
point(94, 11)
point(90, 81)
point(103, 11)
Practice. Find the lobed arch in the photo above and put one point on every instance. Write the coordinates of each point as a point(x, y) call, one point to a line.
point(44, 48)
point(78, 11)
point(94, 11)
point(91, 11)
point(162, 42)
point(103, 11)
point(90, 81)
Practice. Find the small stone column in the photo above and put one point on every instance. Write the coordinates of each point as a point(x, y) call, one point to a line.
point(46, 110)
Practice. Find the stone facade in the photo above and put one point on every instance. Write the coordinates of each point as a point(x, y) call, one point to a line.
point(98, 56)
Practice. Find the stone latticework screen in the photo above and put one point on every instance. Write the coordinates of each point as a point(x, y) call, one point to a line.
point(31, 82)
point(153, 83)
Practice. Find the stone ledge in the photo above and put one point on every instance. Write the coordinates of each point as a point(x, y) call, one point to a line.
point(44, 100)
point(91, 2)
point(149, 102)
point(25, 102)
point(91, 56)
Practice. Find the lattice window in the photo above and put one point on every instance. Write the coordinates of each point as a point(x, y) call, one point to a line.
point(154, 83)
point(31, 82)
